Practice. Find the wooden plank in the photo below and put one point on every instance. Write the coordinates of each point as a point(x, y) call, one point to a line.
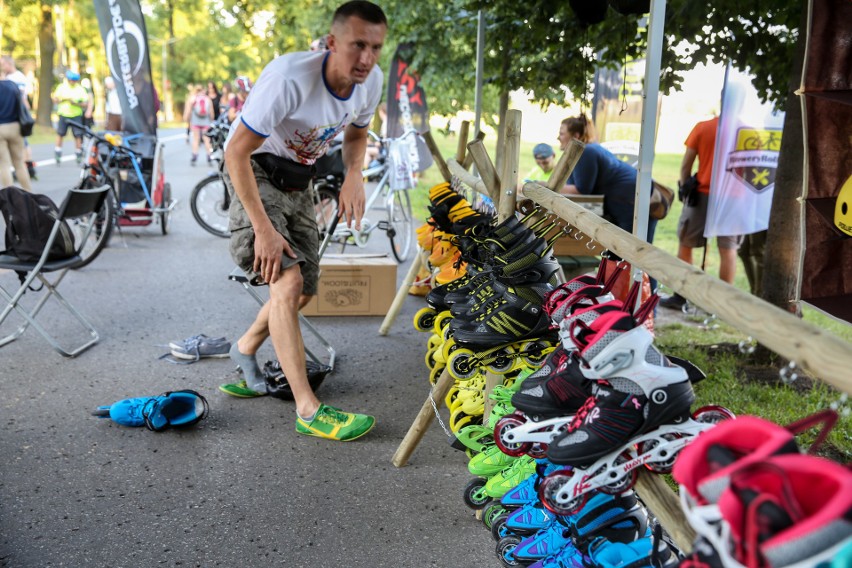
point(815, 350)
point(423, 420)
point(566, 164)
point(436, 155)
point(463, 134)
point(468, 159)
point(402, 293)
point(511, 160)
point(467, 178)
point(485, 167)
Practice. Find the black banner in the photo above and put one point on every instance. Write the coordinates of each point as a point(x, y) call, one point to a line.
point(406, 99)
point(126, 42)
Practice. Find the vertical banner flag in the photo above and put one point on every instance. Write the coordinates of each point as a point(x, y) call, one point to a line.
point(617, 109)
point(407, 110)
point(827, 118)
point(126, 42)
point(746, 158)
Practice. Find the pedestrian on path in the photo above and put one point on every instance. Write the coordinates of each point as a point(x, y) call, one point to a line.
point(8, 66)
point(73, 104)
point(113, 106)
point(11, 141)
point(299, 104)
point(198, 115)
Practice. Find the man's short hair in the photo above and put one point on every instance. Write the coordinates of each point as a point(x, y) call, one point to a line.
point(367, 11)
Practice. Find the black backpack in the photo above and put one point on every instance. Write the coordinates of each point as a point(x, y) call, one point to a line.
point(29, 219)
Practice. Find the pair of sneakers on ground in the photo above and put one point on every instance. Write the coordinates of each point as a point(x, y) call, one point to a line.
point(327, 422)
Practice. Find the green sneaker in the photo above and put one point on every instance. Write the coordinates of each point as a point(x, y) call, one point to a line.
point(334, 424)
point(240, 390)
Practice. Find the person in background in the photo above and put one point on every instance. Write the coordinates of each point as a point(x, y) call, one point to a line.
point(112, 106)
point(545, 161)
point(700, 144)
point(225, 98)
point(198, 113)
point(11, 141)
point(73, 104)
point(89, 117)
point(215, 97)
point(242, 86)
point(599, 172)
point(7, 66)
point(301, 101)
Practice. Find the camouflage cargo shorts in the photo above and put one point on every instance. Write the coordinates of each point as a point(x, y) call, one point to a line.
point(292, 215)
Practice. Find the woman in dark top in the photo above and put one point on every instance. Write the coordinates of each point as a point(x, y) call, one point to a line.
point(215, 97)
point(599, 172)
point(11, 141)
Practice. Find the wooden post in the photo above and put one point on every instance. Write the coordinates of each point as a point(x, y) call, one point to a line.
point(401, 293)
point(436, 155)
point(665, 505)
point(566, 164)
point(505, 209)
point(468, 159)
point(485, 167)
point(463, 134)
point(423, 420)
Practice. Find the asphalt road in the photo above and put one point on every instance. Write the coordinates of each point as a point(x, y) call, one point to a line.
point(241, 488)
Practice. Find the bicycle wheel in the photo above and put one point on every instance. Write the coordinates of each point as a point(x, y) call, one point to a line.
point(325, 205)
point(164, 215)
point(210, 203)
point(102, 231)
point(399, 224)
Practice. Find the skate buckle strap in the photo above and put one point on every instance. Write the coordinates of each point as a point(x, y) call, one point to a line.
point(618, 361)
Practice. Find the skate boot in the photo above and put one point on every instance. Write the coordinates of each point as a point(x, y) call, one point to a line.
point(514, 550)
point(32, 171)
point(643, 553)
point(78, 156)
point(640, 416)
point(171, 409)
point(788, 511)
point(57, 154)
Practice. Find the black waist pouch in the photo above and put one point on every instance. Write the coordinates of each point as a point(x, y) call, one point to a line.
point(285, 175)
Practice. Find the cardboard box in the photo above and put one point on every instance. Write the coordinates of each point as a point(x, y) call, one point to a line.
point(353, 285)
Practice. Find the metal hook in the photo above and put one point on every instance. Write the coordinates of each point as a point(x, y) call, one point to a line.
point(747, 346)
point(708, 324)
point(568, 229)
point(590, 245)
point(579, 236)
point(788, 373)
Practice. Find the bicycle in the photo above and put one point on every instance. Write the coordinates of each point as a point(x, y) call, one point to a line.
point(210, 200)
point(112, 161)
point(397, 203)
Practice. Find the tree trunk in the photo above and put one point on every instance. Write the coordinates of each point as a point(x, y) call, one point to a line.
point(782, 257)
point(47, 49)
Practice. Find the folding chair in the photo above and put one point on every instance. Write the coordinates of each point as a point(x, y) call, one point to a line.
point(78, 203)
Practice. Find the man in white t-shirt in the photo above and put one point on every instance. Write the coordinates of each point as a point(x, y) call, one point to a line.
point(300, 102)
point(7, 66)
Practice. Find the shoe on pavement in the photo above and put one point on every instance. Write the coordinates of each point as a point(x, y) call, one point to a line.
point(334, 424)
point(673, 302)
point(240, 390)
point(171, 409)
point(199, 347)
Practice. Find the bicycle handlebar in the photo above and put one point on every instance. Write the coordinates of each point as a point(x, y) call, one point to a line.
point(90, 134)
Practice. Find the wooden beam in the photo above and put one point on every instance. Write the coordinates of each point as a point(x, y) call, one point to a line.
point(815, 350)
point(468, 159)
point(485, 167)
point(402, 292)
point(423, 420)
point(467, 178)
point(436, 155)
point(666, 507)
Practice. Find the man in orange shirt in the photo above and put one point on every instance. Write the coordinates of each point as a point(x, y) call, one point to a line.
point(700, 143)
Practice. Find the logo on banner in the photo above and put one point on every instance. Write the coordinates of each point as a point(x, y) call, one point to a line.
point(755, 158)
point(120, 54)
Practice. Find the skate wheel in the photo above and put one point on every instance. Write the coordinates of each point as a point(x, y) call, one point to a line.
point(491, 512)
point(503, 361)
point(462, 364)
point(661, 467)
point(501, 431)
point(447, 348)
point(552, 486)
point(434, 341)
point(535, 352)
point(537, 451)
point(424, 319)
point(430, 359)
point(451, 396)
point(506, 551)
point(712, 414)
point(441, 321)
point(474, 494)
point(498, 527)
point(459, 419)
point(616, 485)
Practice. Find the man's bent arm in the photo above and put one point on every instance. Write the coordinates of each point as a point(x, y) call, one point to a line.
point(686, 165)
point(269, 243)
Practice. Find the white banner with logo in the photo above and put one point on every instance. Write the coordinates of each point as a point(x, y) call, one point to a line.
point(745, 160)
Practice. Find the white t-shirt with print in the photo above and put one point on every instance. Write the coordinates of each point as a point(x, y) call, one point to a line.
point(292, 106)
